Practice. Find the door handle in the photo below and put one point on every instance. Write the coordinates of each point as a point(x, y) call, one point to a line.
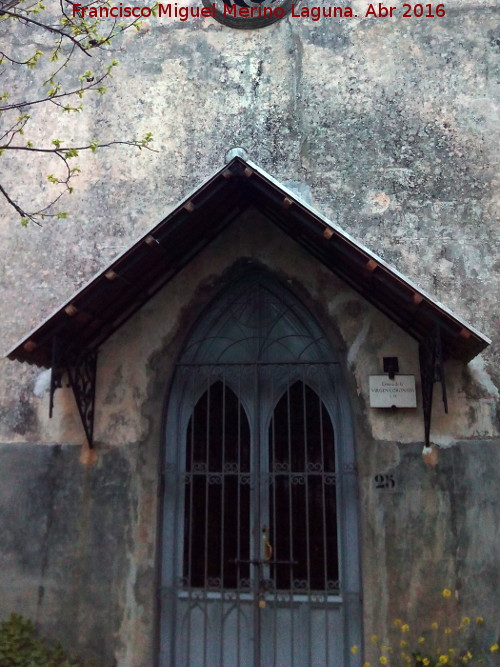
point(268, 549)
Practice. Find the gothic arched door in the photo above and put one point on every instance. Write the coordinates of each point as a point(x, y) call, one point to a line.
point(260, 564)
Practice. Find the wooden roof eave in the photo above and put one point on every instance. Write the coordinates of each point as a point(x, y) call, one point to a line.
point(223, 196)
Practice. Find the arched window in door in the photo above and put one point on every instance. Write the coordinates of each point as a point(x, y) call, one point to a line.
point(303, 505)
point(217, 504)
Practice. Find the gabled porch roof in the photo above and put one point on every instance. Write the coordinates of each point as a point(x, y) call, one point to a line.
point(102, 306)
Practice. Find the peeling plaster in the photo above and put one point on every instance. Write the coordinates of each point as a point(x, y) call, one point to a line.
point(479, 372)
point(42, 383)
point(358, 341)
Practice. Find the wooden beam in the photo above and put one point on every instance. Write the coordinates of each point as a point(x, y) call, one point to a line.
point(83, 318)
point(71, 310)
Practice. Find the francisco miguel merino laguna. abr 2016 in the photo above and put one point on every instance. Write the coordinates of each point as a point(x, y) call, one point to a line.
point(183, 13)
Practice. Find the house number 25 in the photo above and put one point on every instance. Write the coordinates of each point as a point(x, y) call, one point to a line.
point(385, 481)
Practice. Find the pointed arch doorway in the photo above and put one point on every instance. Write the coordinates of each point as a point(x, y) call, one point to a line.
point(260, 554)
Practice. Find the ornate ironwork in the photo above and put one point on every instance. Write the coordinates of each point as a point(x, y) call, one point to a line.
point(250, 516)
point(56, 373)
point(80, 365)
point(431, 371)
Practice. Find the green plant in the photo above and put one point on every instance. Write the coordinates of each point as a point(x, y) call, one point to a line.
point(41, 54)
point(20, 647)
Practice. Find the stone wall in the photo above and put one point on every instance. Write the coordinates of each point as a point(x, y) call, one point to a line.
point(93, 530)
point(392, 126)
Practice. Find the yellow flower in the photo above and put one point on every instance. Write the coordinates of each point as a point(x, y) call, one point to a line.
point(494, 648)
point(479, 620)
point(398, 622)
point(448, 631)
point(465, 620)
point(443, 660)
point(354, 649)
point(405, 628)
point(435, 625)
point(374, 639)
point(426, 661)
point(403, 643)
point(383, 660)
point(367, 664)
point(421, 640)
point(447, 593)
point(469, 655)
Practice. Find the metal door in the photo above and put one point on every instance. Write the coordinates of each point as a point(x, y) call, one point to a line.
point(258, 493)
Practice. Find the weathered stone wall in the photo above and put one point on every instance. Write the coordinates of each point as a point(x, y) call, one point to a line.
point(110, 520)
point(65, 542)
point(70, 562)
point(393, 127)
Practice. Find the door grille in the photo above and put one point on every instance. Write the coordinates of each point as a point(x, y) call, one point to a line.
point(258, 508)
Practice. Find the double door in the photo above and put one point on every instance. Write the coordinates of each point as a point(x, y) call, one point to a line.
point(252, 563)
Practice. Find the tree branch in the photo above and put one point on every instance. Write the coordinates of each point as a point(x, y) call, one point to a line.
point(21, 212)
point(44, 26)
point(21, 105)
point(93, 148)
point(83, 35)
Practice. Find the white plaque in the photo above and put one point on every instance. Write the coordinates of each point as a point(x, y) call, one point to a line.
point(397, 393)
